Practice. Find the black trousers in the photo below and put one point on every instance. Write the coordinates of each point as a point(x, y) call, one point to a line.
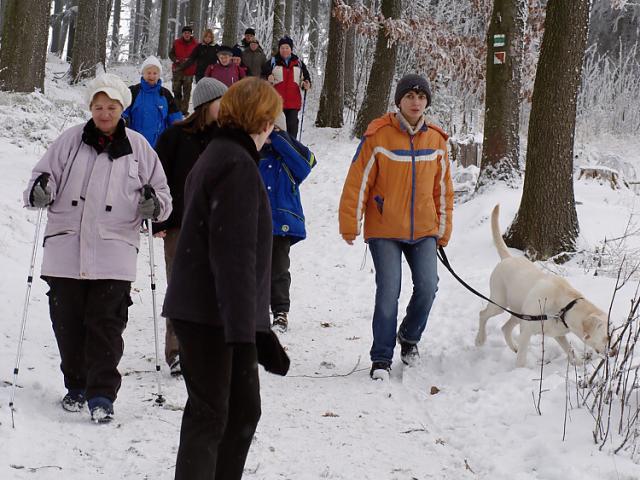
point(280, 276)
point(223, 406)
point(88, 318)
point(292, 122)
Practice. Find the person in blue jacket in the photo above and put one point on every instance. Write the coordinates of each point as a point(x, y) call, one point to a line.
point(284, 164)
point(152, 107)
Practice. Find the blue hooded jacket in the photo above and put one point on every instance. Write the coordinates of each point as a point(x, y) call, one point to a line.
point(152, 110)
point(284, 164)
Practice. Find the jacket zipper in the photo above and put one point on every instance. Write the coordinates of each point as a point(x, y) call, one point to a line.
point(413, 185)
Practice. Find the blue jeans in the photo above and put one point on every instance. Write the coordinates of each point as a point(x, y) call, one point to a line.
point(387, 258)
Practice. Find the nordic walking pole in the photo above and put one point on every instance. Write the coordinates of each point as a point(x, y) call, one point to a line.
point(304, 104)
point(25, 308)
point(148, 190)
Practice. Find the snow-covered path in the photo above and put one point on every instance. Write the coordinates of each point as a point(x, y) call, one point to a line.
point(327, 419)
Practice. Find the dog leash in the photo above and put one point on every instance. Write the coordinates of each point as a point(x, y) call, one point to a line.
point(442, 256)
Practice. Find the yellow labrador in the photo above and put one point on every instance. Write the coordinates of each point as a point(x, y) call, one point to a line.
point(517, 284)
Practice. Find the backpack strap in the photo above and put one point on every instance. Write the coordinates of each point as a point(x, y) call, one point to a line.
point(135, 90)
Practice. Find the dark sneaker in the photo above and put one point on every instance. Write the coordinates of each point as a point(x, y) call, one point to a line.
point(409, 353)
point(380, 371)
point(73, 401)
point(280, 322)
point(101, 409)
point(174, 367)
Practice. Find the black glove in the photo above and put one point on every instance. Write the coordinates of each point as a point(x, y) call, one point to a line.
point(40, 195)
point(271, 355)
point(149, 205)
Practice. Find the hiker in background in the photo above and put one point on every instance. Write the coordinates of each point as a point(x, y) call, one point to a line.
point(288, 74)
point(178, 148)
point(91, 182)
point(225, 70)
point(203, 55)
point(249, 36)
point(254, 58)
point(284, 165)
point(236, 57)
point(400, 180)
point(183, 77)
point(152, 107)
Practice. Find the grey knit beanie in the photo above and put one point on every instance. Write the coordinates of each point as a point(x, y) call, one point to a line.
point(207, 90)
point(410, 82)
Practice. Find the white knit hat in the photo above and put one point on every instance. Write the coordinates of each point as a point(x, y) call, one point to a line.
point(112, 86)
point(281, 122)
point(151, 61)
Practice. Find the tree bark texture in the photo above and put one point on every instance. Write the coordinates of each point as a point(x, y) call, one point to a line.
point(288, 17)
point(547, 224)
point(115, 32)
point(279, 10)
point(501, 142)
point(230, 26)
point(136, 15)
point(56, 26)
point(350, 64)
point(376, 98)
point(73, 20)
point(195, 16)
point(164, 34)
point(314, 32)
point(145, 49)
point(90, 39)
point(23, 56)
point(332, 96)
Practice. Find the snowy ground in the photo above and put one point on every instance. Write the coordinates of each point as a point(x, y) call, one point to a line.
point(327, 419)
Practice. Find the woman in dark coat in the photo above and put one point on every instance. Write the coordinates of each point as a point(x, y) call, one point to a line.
point(203, 55)
point(178, 148)
point(218, 296)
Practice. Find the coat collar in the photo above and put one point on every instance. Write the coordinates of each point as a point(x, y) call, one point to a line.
point(116, 145)
point(242, 138)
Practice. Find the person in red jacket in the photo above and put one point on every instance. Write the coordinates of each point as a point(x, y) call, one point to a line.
point(183, 78)
point(288, 74)
point(225, 70)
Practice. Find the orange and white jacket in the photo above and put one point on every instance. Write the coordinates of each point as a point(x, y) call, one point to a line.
point(401, 183)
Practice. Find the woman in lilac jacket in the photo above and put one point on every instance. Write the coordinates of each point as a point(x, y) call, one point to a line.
point(99, 181)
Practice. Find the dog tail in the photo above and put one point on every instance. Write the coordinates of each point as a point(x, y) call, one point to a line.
point(503, 251)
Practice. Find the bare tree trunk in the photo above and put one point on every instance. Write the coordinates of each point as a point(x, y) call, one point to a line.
point(56, 26)
point(279, 10)
point(547, 223)
point(314, 32)
point(145, 49)
point(163, 35)
point(73, 21)
point(230, 26)
point(288, 16)
point(173, 21)
point(115, 32)
point(350, 64)
point(501, 143)
point(332, 96)
point(104, 11)
point(204, 16)
point(376, 98)
point(194, 16)
point(86, 50)
point(23, 57)
point(136, 17)
point(182, 15)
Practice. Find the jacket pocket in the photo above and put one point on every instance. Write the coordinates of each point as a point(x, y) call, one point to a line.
point(132, 238)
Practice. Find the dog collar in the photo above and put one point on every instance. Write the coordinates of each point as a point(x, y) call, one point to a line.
point(566, 308)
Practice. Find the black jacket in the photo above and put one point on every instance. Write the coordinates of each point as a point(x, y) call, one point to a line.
point(222, 267)
point(178, 151)
point(203, 56)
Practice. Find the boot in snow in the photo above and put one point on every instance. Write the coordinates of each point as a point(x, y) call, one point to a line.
point(280, 322)
point(73, 401)
point(101, 409)
point(380, 371)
